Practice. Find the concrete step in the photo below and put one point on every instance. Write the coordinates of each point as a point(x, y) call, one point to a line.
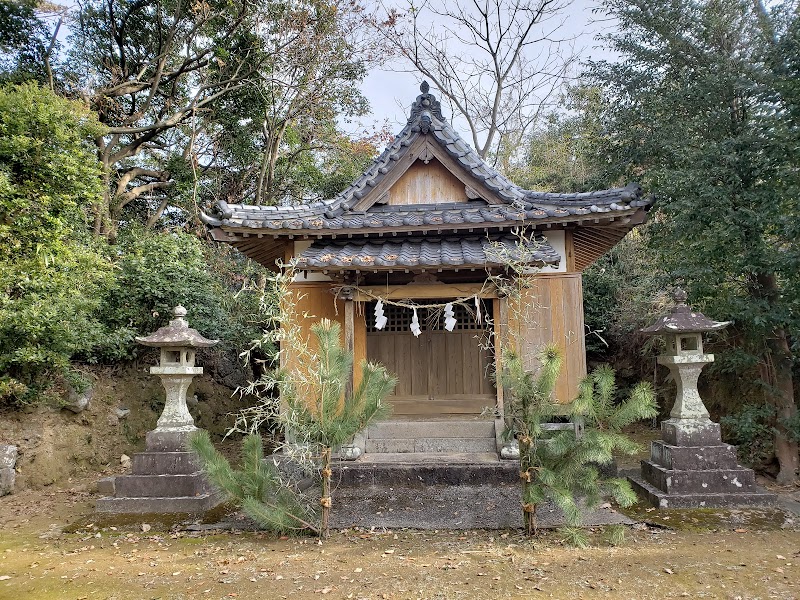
point(673, 481)
point(474, 428)
point(739, 499)
point(165, 463)
point(693, 458)
point(151, 505)
point(422, 458)
point(438, 444)
point(473, 469)
point(159, 486)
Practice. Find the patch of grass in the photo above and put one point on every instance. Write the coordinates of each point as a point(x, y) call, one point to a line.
point(701, 520)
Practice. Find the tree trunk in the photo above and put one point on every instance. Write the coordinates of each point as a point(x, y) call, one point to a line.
point(528, 510)
point(781, 396)
point(325, 500)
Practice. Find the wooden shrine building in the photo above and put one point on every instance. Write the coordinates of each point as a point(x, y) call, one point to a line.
point(427, 224)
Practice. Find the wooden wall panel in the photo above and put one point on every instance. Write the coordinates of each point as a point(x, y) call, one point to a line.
point(427, 184)
point(316, 300)
point(552, 311)
point(312, 302)
point(360, 346)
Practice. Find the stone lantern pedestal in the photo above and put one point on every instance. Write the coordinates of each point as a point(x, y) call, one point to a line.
point(166, 478)
point(690, 467)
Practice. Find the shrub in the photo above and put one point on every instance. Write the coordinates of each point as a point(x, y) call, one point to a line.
point(158, 270)
point(751, 430)
point(49, 180)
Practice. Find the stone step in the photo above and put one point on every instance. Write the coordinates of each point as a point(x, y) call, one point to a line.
point(474, 471)
point(437, 444)
point(475, 428)
point(165, 463)
point(153, 505)
point(672, 481)
point(656, 497)
point(159, 486)
point(694, 458)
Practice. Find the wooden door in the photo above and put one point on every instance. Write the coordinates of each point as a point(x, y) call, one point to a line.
point(440, 372)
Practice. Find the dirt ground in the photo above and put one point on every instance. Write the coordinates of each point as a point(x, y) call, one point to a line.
point(50, 549)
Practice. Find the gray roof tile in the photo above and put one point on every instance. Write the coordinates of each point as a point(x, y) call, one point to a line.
point(474, 251)
point(327, 214)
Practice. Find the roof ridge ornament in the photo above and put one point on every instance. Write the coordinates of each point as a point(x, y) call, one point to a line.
point(425, 103)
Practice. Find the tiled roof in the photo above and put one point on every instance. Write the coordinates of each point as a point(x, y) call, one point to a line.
point(426, 119)
point(414, 252)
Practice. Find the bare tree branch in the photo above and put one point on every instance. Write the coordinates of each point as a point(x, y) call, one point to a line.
point(496, 62)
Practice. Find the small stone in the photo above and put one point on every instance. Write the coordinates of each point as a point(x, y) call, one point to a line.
point(77, 402)
point(8, 456)
point(121, 413)
point(145, 527)
point(125, 461)
point(350, 452)
point(8, 476)
point(510, 451)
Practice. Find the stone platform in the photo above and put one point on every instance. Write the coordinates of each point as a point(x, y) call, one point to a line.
point(692, 468)
point(160, 482)
point(439, 490)
point(426, 468)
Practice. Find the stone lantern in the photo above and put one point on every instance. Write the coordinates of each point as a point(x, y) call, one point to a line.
point(176, 369)
point(166, 478)
point(683, 331)
point(691, 467)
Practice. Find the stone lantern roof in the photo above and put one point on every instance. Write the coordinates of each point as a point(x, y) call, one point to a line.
point(682, 319)
point(177, 333)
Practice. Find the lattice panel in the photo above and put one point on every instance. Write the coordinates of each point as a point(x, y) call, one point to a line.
point(399, 317)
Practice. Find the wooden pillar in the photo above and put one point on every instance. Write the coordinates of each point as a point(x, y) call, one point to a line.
point(349, 334)
point(500, 342)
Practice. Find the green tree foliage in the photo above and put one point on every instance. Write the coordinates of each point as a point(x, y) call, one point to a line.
point(283, 123)
point(216, 100)
point(560, 153)
point(702, 108)
point(147, 69)
point(49, 179)
point(319, 415)
point(561, 466)
point(26, 44)
point(256, 486)
point(156, 271)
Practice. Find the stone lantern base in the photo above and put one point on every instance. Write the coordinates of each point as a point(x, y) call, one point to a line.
point(692, 468)
point(164, 479)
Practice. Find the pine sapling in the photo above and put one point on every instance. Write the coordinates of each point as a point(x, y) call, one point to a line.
point(322, 416)
point(256, 486)
point(560, 466)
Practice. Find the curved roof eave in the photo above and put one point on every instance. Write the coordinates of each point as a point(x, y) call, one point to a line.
point(426, 119)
